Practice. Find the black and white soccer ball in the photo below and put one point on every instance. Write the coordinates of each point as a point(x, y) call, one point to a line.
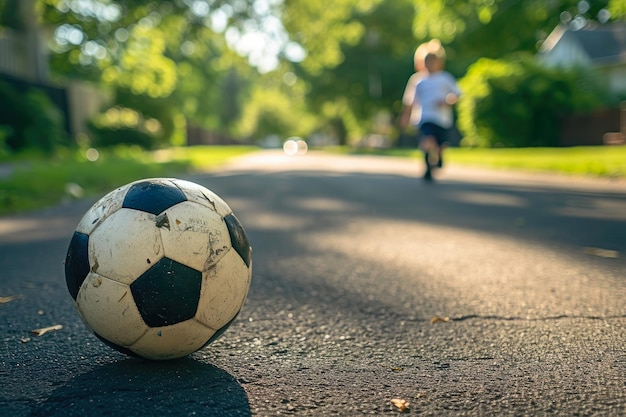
point(159, 268)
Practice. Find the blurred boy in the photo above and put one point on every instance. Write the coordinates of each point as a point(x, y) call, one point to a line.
point(435, 93)
point(410, 113)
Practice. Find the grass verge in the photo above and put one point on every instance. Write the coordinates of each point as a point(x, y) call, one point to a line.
point(39, 182)
point(598, 161)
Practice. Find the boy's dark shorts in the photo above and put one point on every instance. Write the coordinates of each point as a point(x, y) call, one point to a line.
point(439, 133)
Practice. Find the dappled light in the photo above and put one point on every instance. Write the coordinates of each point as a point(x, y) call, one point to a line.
point(599, 208)
point(120, 117)
point(490, 199)
point(480, 276)
point(223, 66)
point(295, 146)
point(92, 154)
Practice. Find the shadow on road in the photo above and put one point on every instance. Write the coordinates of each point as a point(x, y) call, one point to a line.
point(341, 260)
point(141, 388)
point(544, 215)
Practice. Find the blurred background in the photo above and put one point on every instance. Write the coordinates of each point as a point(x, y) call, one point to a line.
point(156, 74)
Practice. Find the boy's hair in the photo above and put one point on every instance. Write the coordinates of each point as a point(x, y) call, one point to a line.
point(432, 47)
point(431, 56)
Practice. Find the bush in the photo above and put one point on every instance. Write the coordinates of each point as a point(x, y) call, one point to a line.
point(107, 137)
point(120, 125)
point(31, 120)
point(517, 103)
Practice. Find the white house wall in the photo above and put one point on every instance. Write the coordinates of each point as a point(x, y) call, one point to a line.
point(565, 54)
point(616, 76)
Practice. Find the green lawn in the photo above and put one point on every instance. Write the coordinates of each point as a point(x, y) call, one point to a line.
point(40, 182)
point(598, 161)
point(602, 161)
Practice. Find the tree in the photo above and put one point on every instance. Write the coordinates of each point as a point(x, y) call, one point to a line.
point(473, 29)
point(163, 60)
point(173, 60)
point(359, 67)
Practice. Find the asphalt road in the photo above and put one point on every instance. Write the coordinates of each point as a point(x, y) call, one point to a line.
point(486, 293)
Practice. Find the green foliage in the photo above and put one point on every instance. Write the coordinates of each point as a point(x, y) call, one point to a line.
point(161, 59)
point(275, 108)
point(5, 132)
point(322, 30)
point(169, 61)
point(45, 130)
point(515, 102)
point(492, 28)
point(31, 120)
point(120, 125)
point(617, 8)
point(9, 14)
point(372, 74)
point(108, 136)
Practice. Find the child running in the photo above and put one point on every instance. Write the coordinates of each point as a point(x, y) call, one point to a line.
point(436, 92)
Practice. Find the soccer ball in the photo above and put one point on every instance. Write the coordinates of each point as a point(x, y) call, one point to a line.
point(159, 268)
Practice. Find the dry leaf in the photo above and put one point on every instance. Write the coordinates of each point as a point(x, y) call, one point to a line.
point(42, 331)
point(602, 253)
point(400, 404)
point(25, 339)
point(393, 368)
point(4, 300)
point(438, 319)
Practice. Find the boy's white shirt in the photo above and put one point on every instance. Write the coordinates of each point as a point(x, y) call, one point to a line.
point(430, 91)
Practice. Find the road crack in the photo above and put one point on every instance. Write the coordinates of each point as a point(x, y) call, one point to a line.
point(545, 318)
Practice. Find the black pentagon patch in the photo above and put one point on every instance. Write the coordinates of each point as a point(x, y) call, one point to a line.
point(167, 293)
point(153, 196)
point(238, 238)
point(77, 263)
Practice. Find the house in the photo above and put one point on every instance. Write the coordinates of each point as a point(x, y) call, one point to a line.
point(24, 64)
point(599, 47)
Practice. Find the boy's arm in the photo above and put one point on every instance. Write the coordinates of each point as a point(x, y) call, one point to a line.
point(408, 99)
point(405, 117)
point(451, 99)
point(453, 96)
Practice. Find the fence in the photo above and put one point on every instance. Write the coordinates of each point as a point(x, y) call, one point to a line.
point(598, 127)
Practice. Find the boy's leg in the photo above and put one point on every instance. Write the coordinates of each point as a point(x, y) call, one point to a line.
point(429, 146)
point(441, 149)
point(441, 141)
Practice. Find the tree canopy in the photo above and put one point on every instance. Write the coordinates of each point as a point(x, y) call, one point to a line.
point(253, 67)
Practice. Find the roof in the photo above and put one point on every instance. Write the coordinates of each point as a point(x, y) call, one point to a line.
point(604, 44)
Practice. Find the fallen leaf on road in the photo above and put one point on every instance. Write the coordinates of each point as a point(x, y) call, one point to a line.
point(4, 300)
point(393, 368)
point(603, 253)
point(25, 339)
point(400, 404)
point(44, 330)
point(438, 319)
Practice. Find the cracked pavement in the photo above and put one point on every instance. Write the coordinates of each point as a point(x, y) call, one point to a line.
point(486, 293)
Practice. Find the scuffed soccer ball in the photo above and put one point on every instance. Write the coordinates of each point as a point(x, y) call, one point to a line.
point(159, 268)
